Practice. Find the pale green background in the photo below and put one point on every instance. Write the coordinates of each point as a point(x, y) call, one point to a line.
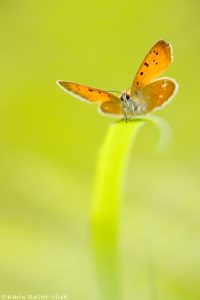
point(49, 143)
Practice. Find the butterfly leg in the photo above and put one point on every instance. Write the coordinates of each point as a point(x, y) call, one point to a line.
point(124, 108)
point(125, 114)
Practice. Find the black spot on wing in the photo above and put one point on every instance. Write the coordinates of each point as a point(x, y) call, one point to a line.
point(146, 64)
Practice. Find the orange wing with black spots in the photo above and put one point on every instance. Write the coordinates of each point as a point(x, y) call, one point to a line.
point(157, 93)
point(154, 64)
point(86, 93)
point(112, 108)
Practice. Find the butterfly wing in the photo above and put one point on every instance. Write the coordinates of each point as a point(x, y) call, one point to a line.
point(157, 93)
point(86, 93)
point(113, 108)
point(153, 65)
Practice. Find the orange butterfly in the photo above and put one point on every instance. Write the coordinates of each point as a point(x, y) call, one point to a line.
point(145, 94)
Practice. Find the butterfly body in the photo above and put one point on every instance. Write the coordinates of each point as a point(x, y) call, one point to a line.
point(131, 107)
point(147, 92)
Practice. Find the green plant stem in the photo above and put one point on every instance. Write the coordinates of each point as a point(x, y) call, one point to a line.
point(109, 179)
point(105, 205)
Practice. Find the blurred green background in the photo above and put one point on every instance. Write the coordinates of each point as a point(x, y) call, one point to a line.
point(49, 143)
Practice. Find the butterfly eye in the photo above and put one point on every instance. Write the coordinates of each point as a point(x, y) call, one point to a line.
point(125, 97)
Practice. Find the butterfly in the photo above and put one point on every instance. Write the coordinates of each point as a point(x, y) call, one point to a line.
point(147, 93)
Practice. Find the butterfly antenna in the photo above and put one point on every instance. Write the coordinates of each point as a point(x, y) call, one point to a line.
point(113, 92)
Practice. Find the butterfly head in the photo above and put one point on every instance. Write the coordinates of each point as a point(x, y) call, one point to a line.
point(125, 97)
